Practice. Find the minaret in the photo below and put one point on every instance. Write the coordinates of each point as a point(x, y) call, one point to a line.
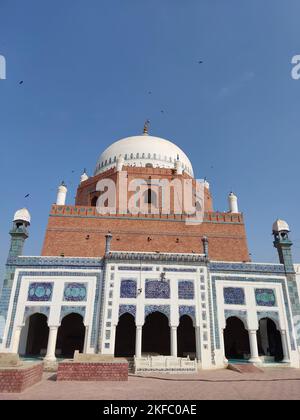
point(233, 203)
point(283, 244)
point(19, 233)
point(61, 194)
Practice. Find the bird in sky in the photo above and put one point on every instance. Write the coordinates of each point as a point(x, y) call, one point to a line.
point(200, 62)
point(21, 82)
point(149, 93)
point(27, 195)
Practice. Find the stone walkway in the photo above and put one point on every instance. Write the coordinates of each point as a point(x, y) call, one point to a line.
point(277, 384)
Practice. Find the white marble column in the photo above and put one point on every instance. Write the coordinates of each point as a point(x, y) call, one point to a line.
point(173, 341)
point(285, 347)
point(198, 343)
point(138, 341)
point(16, 340)
point(86, 334)
point(225, 360)
point(253, 347)
point(51, 344)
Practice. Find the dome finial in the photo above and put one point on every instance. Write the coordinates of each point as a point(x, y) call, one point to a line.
point(146, 127)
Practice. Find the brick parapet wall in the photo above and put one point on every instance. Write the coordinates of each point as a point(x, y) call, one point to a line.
point(72, 371)
point(20, 378)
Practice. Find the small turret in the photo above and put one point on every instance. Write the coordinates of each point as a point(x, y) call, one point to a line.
point(84, 177)
point(233, 203)
point(120, 163)
point(178, 166)
point(61, 194)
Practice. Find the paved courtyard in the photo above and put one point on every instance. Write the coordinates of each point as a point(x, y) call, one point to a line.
point(277, 384)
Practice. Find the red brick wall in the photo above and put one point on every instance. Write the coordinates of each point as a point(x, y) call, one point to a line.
point(72, 371)
point(17, 379)
point(87, 190)
point(85, 236)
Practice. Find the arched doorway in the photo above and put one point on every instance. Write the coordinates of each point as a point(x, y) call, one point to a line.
point(156, 335)
point(125, 336)
point(186, 339)
point(269, 340)
point(236, 339)
point(70, 335)
point(37, 337)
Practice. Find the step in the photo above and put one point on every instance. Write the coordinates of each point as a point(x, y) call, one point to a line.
point(244, 368)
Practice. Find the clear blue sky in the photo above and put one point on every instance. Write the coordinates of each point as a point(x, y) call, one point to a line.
point(87, 67)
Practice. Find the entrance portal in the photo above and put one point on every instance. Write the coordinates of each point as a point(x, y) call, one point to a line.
point(125, 336)
point(156, 335)
point(37, 337)
point(70, 335)
point(269, 339)
point(236, 339)
point(186, 338)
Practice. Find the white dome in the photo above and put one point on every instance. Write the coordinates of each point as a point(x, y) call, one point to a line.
point(280, 225)
point(141, 151)
point(22, 215)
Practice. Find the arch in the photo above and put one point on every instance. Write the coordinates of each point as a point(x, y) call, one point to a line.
point(94, 202)
point(37, 329)
point(125, 336)
point(156, 334)
point(150, 197)
point(186, 337)
point(71, 334)
point(269, 339)
point(236, 339)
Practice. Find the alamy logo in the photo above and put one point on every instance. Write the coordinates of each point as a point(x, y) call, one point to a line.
point(2, 68)
point(296, 68)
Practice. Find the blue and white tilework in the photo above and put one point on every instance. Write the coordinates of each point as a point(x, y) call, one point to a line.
point(127, 309)
point(75, 292)
point(234, 296)
point(265, 297)
point(128, 288)
point(164, 309)
point(157, 289)
point(40, 292)
point(185, 289)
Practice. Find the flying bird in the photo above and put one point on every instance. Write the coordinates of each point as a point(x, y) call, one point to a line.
point(149, 93)
point(27, 195)
point(21, 82)
point(162, 111)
